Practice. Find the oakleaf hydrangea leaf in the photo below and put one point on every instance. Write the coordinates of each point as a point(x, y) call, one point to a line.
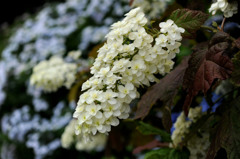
point(190, 20)
point(206, 64)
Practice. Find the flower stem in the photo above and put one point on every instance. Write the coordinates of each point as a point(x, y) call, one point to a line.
point(222, 25)
point(209, 28)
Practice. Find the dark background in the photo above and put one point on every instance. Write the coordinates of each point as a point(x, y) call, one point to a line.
point(11, 9)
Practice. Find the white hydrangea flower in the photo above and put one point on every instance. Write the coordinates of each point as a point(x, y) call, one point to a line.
point(51, 75)
point(153, 8)
point(126, 61)
point(231, 9)
point(182, 125)
point(194, 114)
point(224, 87)
point(197, 145)
point(227, 8)
point(75, 54)
point(68, 138)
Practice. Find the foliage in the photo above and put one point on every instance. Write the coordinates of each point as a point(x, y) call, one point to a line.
point(190, 20)
point(226, 133)
point(206, 65)
point(147, 129)
point(179, 77)
point(167, 153)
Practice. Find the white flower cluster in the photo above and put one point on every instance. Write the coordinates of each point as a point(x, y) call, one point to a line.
point(97, 143)
point(3, 81)
point(182, 125)
point(23, 127)
point(75, 55)
point(226, 7)
point(47, 33)
point(68, 136)
point(127, 60)
point(197, 145)
point(225, 87)
point(51, 75)
point(153, 8)
point(8, 151)
point(35, 38)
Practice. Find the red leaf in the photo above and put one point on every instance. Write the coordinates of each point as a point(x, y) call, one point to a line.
point(206, 65)
point(237, 42)
point(226, 131)
point(149, 146)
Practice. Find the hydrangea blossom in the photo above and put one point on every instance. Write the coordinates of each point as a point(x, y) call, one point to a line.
point(197, 145)
point(152, 8)
point(228, 8)
point(126, 61)
point(3, 81)
point(97, 143)
point(181, 125)
point(224, 87)
point(51, 75)
point(46, 34)
point(8, 151)
point(22, 126)
point(75, 55)
point(36, 38)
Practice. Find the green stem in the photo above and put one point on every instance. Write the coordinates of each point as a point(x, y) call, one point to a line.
point(215, 30)
point(209, 28)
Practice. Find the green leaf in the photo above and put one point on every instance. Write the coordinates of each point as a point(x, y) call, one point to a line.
point(227, 132)
point(147, 129)
point(233, 147)
point(160, 153)
point(184, 51)
point(190, 20)
point(179, 154)
point(168, 153)
point(214, 24)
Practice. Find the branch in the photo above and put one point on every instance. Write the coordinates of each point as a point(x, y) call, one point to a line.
point(222, 25)
point(150, 145)
point(216, 30)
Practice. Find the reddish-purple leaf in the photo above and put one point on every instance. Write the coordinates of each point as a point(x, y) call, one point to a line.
point(227, 132)
point(164, 91)
point(237, 43)
point(206, 65)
